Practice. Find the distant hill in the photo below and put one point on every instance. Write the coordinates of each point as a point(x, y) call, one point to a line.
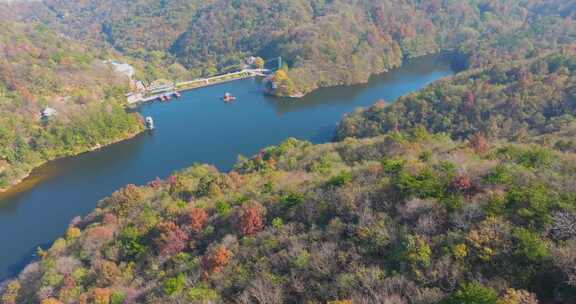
point(323, 43)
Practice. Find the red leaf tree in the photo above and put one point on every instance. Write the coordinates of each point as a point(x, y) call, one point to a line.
point(462, 183)
point(169, 239)
point(250, 219)
point(197, 218)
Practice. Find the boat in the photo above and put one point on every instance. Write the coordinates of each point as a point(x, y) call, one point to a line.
point(228, 97)
point(177, 94)
point(165, 97)
point(149, 123)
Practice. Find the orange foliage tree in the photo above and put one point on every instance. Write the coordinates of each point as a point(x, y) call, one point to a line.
point(216, 259)
point(50, 301)
point(101, 295)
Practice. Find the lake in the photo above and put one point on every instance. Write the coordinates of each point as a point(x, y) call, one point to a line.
point(197, 128)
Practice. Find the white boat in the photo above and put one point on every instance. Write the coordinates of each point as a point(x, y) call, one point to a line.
point(228, 97)
point(149, 123)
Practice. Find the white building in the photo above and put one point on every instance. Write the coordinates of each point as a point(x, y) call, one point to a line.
point(48, 112)
point(123, 68)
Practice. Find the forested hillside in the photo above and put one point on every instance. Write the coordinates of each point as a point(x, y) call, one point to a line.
point(524, 100)
point(324, 43)
point(39, 68)
point(402, 218)
point(134, 27)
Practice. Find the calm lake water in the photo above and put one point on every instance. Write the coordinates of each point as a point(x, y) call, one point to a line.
point(197, 128)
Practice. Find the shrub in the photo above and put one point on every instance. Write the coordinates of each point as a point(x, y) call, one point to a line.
point(530, 246)
point(207, 186)
point(131, 246)
point(202, 294)
point(73, 233)
point(292, 199)
point(425, 156)
point(500, 175)
point(222, 208)
point(117, 297)
point(532, 204)
point(322, 165)
point(174, 285)
point(373, 238)
point(472, 293)
point(302, 260)
point(460, 251)
point(277, 223)
point(534, 157)
point(412, 251)
point(424, 185)
point(340, 180)
point(490, 238)
point(393, 166)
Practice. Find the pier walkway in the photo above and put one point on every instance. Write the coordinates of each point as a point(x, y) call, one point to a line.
point(170, 89)
point(204, 82)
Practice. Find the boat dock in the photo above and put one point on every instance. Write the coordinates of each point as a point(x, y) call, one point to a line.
point(168, 90)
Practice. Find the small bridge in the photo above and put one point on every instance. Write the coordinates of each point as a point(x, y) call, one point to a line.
point(203, 82)
point(243, 74)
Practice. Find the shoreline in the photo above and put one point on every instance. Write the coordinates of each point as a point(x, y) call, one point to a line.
point(295, 96)
point(14, 185)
